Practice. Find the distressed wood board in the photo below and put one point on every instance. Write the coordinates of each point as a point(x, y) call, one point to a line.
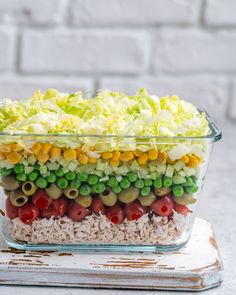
point(195, 267)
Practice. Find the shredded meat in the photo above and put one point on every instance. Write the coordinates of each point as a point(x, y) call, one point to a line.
point(97, 229)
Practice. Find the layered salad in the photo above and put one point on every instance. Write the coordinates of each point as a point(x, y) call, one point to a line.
point(115, 169)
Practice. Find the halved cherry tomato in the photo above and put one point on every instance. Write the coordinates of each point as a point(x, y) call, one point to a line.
point(182, 209)
point(134, 210)
point(97, 205)
point(77, 212)
point(11, 210)
point(57, 208)
point(28, 213)
point(115, 214)
point(41, 199)
point(163, 206)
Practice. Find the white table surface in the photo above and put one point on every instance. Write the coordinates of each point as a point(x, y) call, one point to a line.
point(218, 206)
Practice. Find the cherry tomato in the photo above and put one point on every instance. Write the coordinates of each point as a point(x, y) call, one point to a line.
point(28, 213)
point(97, 205)
point(134, 210)
point(77, 212)
point(41, 199)
point(182, 209)
point(57, 208)
point(163, 206)
point(11, 210)
point(115, 214)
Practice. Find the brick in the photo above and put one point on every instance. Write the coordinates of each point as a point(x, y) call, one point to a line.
point(23, 87)
point(220, 12)
point(208, 93)
point(5, 50)
point(187, 50)
point(31, 11)
point(232, 105)
point(134, 12)
point(88, 51)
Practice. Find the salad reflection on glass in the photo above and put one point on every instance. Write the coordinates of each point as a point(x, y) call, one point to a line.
point(113, 170)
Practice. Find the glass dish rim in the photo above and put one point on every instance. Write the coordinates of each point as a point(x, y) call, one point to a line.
point(214, 136)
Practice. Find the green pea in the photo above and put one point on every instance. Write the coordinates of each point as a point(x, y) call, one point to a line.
point(83, 177)
point(21, 177)
point(177, 190)
point(19, 168)
point(189, 181)
point(59, 172)
point(191, 189)
point(33, 175)
point(99, 188)
point(148, 182)
point(37, 166)
point(70, 175)
point(75, 183)
point(167, 181)
point(6, 172)
point(145, 191)
point(157, 182)
point(62, 182)
point(112, 182)
point(125, 183)
point(116, 189)
point(93, 179)
point(194, 179)
point(139, 183)
point(132, 176)
point(41, 182)
point(51, 178)
point(85, 190)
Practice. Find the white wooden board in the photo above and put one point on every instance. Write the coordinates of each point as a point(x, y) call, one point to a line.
point(195, 267)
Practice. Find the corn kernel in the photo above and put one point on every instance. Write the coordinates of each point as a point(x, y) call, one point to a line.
point(107, 155)
point(42, 157)
point(114, 162)
point(152, 154)
point(193, 161)
point(55, 153)
point(116, 156)
point(46, 147)
point(16, 147)
point(78, 151)
point(162, 157)
point(14, 157)
point(83, 159)
point(143, 159)
point(126, 156)
point(2, 156)
point(92, 160)
point(185, 159)
point(5, 148)
point(36, 148)
point(137, 153)
point(169, 161)
point(70, 154)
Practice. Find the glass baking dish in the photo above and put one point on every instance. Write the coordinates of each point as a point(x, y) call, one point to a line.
point(67, 192)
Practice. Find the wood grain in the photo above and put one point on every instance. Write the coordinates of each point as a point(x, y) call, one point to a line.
point(197, 266)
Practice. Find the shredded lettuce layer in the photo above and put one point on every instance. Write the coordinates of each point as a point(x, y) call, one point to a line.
point(108, 113)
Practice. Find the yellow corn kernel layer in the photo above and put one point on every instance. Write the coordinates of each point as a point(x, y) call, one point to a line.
point(44, 151)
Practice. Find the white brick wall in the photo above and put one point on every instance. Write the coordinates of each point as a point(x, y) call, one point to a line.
point(133, 12)
point(185, 47)
point(87, 51)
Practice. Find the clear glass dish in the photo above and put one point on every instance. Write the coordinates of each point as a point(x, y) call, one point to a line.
point(67, 192)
